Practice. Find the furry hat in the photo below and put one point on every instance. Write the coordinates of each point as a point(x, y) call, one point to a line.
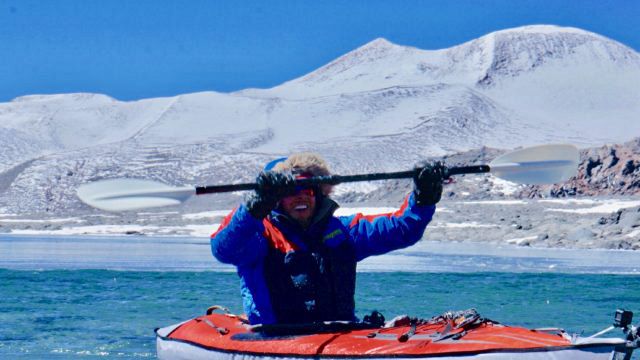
point(306, 162)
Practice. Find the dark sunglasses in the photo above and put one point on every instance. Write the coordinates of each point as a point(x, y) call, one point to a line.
point(308, 190)
point(305, 190)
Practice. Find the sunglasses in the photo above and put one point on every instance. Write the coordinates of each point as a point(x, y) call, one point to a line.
point(305, 190)
point(308, 190)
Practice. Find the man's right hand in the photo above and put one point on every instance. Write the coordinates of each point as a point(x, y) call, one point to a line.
point(272, 187)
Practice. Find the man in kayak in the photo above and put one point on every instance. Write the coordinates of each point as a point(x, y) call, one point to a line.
point(296, 260)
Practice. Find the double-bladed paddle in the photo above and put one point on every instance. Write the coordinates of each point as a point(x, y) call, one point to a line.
point(544, 164)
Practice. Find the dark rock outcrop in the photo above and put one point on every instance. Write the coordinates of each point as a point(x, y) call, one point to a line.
point(604, 171)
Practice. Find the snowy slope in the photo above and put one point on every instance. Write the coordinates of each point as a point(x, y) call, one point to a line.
point(59, 119)
point(498, 57)
point(54, 123)
point(380, 107)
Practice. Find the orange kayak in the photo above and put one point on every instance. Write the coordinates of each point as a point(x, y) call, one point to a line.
point(462, 335)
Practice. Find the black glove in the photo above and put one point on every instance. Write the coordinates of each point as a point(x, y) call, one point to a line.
point(272, 187)
point(427, 182)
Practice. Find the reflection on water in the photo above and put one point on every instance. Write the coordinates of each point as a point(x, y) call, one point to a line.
point(188, 254)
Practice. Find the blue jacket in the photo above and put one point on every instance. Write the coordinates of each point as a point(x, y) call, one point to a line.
point(263, 250)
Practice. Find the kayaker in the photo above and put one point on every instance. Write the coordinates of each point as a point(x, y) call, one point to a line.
point(295, 259)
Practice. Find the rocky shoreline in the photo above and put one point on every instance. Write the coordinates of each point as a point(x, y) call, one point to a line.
point(579, 223)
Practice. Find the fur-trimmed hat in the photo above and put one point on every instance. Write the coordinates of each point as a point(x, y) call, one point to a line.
point(306, 162)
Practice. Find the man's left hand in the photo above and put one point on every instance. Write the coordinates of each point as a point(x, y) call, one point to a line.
point(427, 181)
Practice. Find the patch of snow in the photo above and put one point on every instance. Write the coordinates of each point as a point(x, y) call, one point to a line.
point(89, 230)
point(633, 234)
point(160, 213)
point(504, 186)
point(471, 224)
point(519, 241)
point(495, 202)
point(43, 221)
point(206, 214)
point(569, 201)
point(118, 230)
point(606, 208)
point(202, 230)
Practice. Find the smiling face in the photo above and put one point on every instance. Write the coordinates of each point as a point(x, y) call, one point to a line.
point(300, 206)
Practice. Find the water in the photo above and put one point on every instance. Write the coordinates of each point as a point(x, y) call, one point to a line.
point(68, 298)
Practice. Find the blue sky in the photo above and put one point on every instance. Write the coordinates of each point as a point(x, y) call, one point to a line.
point(133, 49)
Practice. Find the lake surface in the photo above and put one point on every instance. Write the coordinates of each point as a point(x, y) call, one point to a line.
point(73, 297)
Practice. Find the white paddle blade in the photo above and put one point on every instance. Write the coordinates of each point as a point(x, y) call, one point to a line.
point(544, 164)
point(132, 194)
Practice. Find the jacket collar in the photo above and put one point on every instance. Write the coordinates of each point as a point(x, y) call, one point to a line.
point(324, 210)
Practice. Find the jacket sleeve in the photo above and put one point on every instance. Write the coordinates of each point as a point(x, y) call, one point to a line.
point(380, 234)
point(239, 240)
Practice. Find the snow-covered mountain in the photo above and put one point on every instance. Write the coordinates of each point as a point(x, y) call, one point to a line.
point(498, 57)
point(581, 85)
point(380, 107)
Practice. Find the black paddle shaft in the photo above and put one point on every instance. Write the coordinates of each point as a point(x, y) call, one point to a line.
point(339, 179)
